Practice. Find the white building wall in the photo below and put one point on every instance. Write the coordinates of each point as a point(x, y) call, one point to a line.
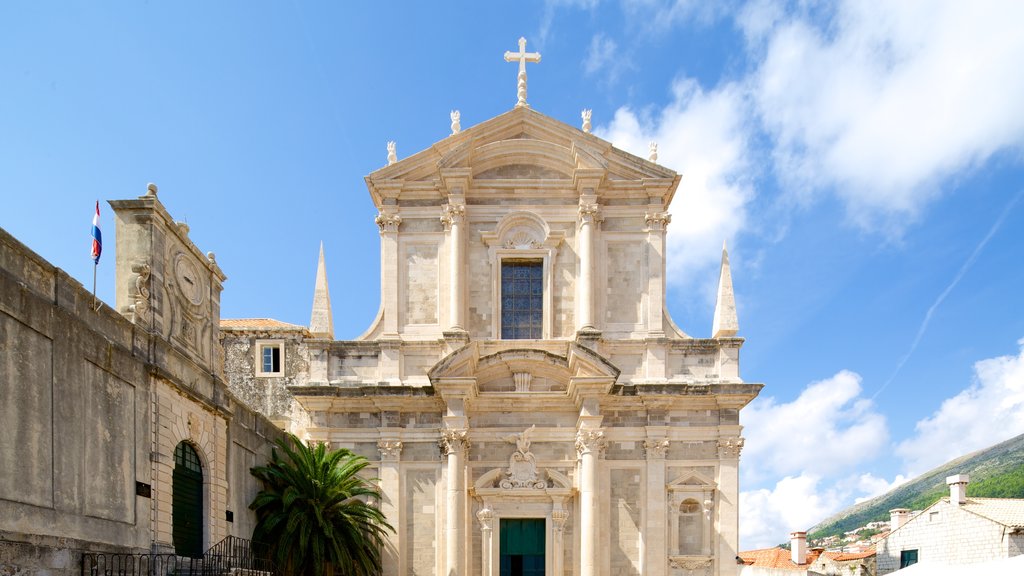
point(945, 534)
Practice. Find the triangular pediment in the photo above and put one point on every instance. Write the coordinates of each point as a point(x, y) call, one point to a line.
point(520, 145)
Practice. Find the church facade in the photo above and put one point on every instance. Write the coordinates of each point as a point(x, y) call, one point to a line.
point(529, 404)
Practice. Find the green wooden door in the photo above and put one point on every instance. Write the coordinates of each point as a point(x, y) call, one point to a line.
point(522, 546)
point(187, 502)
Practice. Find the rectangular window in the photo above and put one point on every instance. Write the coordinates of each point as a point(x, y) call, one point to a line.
point(908, 557)
point(522, 299)
point(269, 358)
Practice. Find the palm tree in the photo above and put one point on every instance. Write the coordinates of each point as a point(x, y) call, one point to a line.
point(313, 516)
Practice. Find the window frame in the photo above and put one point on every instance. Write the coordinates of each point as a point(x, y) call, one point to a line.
point(526, 262)
point(260, 346)
point(545, 257)
point(905, 559)
point(523, 235)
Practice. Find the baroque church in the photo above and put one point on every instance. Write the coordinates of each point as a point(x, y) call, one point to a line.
point(531, 406)
point(528, 405)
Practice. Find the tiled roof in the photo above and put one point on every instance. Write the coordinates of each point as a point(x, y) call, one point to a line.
point(257, 324)
point(1006, 511)
point(780, 558)
point(847, 556)
point(777, 558)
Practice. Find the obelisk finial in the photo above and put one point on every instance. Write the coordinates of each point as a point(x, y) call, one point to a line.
point(725, 323)
point(321, 321)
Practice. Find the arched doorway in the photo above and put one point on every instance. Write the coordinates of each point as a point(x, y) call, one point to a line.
point(187, 502)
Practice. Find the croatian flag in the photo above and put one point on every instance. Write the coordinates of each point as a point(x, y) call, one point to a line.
point(97, 238)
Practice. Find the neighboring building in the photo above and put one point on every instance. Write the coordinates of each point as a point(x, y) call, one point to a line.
point(801, 561)
point(117, 431)
point(954, 531)
point(526, 398)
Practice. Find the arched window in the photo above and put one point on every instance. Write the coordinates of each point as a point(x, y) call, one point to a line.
point(691, 539)
point(187, 502)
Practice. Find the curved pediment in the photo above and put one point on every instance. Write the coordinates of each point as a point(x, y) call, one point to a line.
point(501, 366)
point(523, 158)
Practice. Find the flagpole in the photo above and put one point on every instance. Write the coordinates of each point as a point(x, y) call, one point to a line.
point(95, 302)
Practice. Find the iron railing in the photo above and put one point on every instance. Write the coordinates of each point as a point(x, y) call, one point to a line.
point(230, 557)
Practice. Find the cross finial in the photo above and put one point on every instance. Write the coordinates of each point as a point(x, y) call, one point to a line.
point(523, 57)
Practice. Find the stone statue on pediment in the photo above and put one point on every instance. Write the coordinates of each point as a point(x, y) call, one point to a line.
point(522, 465)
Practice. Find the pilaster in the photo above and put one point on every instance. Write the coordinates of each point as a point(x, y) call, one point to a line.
point(657, 223)
point(655, 527)
point(729, 448)
point(391, 490)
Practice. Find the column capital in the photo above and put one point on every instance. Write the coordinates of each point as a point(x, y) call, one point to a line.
point(390, 450)
point(452, 213)
point(730, 447)
point(655, 448)
point(388, 223)
point(485, 516)
point(657, 221)
point(454, 440)
point(558, 518)
point(590, 213)
point(590, 441)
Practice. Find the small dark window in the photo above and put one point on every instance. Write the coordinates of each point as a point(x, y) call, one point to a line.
point(908, 557)
point(271, 359)
point(522, 299)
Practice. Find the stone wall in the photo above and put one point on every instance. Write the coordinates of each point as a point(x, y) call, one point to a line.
point(945, 534)
point(92, 406)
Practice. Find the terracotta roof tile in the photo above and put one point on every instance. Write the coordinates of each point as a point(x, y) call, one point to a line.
point(257, 324)
point(777, 558)
point(1006, 511)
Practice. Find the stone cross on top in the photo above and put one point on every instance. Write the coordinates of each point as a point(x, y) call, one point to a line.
point(523, 57)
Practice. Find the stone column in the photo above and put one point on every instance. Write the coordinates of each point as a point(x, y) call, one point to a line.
point(590, 215)
point(388, 223)
point(454, 217)
point(727, 507)
point(454, 444)
point(390, 487)
point(655, 548)
point(486, 516)
point(589, 444)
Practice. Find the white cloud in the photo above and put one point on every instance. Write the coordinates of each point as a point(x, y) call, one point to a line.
point(886, 100)
point(702, 135)
point(989, 411)
point(829, 429)
point(605, 57)
point(870, 485)
point(795, 503)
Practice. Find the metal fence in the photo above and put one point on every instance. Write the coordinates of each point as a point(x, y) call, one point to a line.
point(229, 557)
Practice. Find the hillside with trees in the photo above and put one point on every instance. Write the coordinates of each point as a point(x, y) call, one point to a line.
point(996, 472)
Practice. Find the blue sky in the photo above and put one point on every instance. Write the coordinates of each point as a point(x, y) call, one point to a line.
point(863, 160)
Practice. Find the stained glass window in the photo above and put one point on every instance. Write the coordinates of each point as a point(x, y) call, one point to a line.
point(522, 299)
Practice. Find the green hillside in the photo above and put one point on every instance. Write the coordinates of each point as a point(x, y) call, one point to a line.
point(996, 472)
